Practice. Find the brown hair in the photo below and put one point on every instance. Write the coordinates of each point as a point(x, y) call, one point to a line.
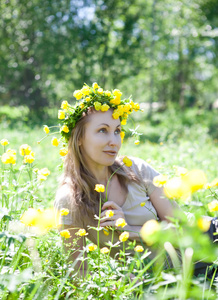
point(83, 199)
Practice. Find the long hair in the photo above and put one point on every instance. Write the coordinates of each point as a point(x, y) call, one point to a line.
point(83, 199)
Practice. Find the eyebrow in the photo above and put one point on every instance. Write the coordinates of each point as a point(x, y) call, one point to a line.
point(108, 125)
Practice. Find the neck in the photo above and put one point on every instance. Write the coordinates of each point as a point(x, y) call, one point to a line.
point(102, 175)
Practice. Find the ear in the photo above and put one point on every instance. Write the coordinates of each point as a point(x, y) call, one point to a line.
point(79, 142)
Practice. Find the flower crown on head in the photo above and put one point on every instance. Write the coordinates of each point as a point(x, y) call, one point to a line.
point(100, 100)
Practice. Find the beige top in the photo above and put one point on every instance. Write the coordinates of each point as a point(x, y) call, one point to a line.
point(135, 214)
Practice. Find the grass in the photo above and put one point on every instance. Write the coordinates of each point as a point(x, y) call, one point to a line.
point(35, 267)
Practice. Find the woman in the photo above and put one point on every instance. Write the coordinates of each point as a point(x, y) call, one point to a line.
point(94, 133)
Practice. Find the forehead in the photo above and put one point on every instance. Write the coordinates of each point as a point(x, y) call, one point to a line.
point(98, 118)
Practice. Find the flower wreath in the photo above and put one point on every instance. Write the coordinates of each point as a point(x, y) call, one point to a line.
point(100, 100)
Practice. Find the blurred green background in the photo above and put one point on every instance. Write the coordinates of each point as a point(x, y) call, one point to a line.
point(163, 53)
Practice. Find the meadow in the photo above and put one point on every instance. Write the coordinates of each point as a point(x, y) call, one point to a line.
point(34, 265)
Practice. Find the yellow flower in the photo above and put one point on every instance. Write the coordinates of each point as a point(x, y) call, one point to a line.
point(215, 182)
point(124, 236)
point(55, 142)
point(100, 91)
point(78, 94)
point(208, 186)
point(46, 129)
point(97, 105)
point(8, 158)
point(85, 90)
point(142, 204)
point(196, 179)
point(64, 211)
point(127, 161)
point(100, 188)
point(95, 85)
point(115, 114)
point(35, 170)
point(177, 188)
point(123, 122)
point(213, 206)
point(106, 231)
point(82, 105)
point(105, 107)
point(29, 158)
point(159, 180)
point(122, 135)
point(203, 224)
point(139, 248)
point(64, 105)
point(137, 142)
point(107, 93)
point(64, 128)
point(30, 217)
point(25, 149)
point(104, 250)
point(120, 223)
point(63, 151)
point(136, 106)
point(92, 247)
point(148, 231)
point(180, 171)
point(81, 232)
point(117, 93)
point(115, 101)
point(44, 172)
point(88, 99)
point(109, 213)
point(61, 114)
point(65, 233)
point(4, 142)
point(41, 177)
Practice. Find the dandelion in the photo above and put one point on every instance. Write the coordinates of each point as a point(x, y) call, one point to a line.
point(120, 223)
point(137, 142)
point(81, 232)
point(148, 231)
point(46, 129)
point(124, 236)
point(104, 250)
point(142, 204)
point(100, 188)
point(159, 180)
point(25, 149)
point(139, 248)
point(64, 211)
point(55, 142)
point(127, 161)
point(92, 247)
point(203, 224)
point(65, 129)
point(109, 213)
point(4, 142)
point(65, 233)
point(63, 152)
point(61, 114)
point(64, 105)
point(213, 206)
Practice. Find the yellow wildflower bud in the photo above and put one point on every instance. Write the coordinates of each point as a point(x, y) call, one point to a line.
point(115, 101)
point(116, 114)
point(46, 129)
point(81, 232)
point(104, 250)
point(25, 149)
point(123, 122)
point(63, 151)
point(4, 142)
point(137, 142)
point(64, 211)
point(55, 142)
point(136, 106)
point(92, 247)
point(97, 105)
point(139, 248)
point(44, 172)
point(61, 114)
point(109, 213)
point(64, 105)
point(213, 206)
point(177, 188)
point(160, 180)
point(65, 233)
point(120, 223)
point(127, 161)
point(117, 93)
point(64, 128)
point(148, 231)
point(85, 90)
point(142, 204)
point(88, 99)
point(126, 108)
point(122, 134)
point(41, 177)
point(196, 179)
point(203, 224)
point(100, 188)
point(95, 85)
point(100, 91)
point(105, 107)
point(77, 94)
point(81, 105)
point(106, 231)
point(30, 217)
point(29, 158)
point(107, 93)
point(124, 236)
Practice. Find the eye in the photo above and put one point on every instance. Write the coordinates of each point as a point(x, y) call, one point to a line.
point(102, 130)
point(117, 131)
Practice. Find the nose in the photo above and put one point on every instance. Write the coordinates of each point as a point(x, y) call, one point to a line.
point(114, 140)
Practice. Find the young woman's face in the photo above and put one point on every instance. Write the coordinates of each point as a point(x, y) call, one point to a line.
point(101, 141)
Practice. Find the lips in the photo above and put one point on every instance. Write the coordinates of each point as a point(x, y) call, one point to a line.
point(110, 152)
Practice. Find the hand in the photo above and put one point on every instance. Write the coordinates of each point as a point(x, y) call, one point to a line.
point(117, 210)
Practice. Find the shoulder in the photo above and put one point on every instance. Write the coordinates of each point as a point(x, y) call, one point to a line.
point(62, 198)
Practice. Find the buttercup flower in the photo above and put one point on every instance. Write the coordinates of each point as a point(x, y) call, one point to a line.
point(139, 248)
point(105, 107)
point(55, 142)
point(120, 223)
point(203, 224)
point(127, 161)
point(109, 213)
point(104, 250)
point(137, 142)
point(85, 90)
point(97, 105)
point(25, 149)
point(106, 231)
point(9, 157)
point(64, 128)
point(4, 142)
point(142, 204)
point(88, 99)
point(46, 129)
point(81, 232)
point(108, 93)
point(159, 180)
point(44, 171)
point(95, 85)
point(63, 152)
point(64, 105)
point(213, 206)
point(100, 188)
point(92, 247)
point(65, 233)
point(100, 91)
point(177, 188)
point(117, 93)
point(61, 114)
point(148, 231)
point(124, 236)
point(29, 158)
point(78, 94)
point(64, 211)
point(180, 171)
point(196, 179)
point(123, 122)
